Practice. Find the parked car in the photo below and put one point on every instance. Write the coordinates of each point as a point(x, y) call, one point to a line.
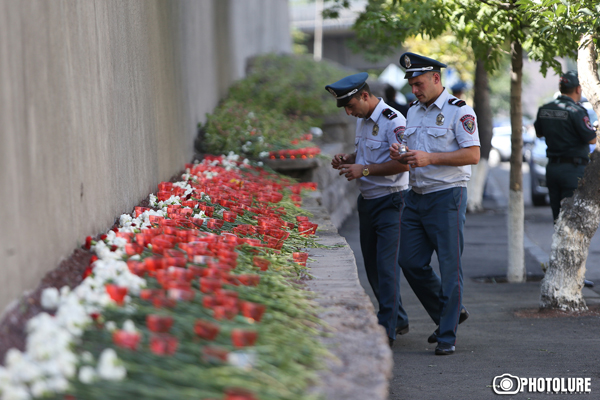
point(538, 161)
point(537, 172)
point(502, 143)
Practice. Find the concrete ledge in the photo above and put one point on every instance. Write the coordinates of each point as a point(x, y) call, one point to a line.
point(362, 367)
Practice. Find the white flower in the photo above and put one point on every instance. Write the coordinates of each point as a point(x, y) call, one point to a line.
point(15, 392)
point(129, 326)
point(316, 131)
point(110, 367)
point(58, 384)
point(12, 357)
point(260, 163)
point(50, 298)
point(110, 326)
point(87, 357)
point(242, 359)
point(263, 154)
point(87, 374)
point(251, 114)
point(40, 388)
point(125, 220)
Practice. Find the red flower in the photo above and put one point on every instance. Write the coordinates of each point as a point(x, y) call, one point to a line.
point(126, 340)
point(117, 293)
point(239, 394)
point(159, 323)
point(243, 337)
point(163, 344)
point(206, 329)
point(88, 242)
point(251, 310)
point(261, 263)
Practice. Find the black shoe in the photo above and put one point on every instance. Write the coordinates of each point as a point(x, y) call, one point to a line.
point(464, 314)
point(587, 283)
point(433, 337)
point(391, 342)
point(402, 331)
point(444, 349)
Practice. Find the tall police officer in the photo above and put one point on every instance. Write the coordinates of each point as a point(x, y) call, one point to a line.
point(382, 182)
point(568, 131)
point(442, 141)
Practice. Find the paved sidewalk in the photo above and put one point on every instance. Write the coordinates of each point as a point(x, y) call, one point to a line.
point(493, 341)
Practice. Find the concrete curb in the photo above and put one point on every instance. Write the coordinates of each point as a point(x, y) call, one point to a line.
point(362, 364)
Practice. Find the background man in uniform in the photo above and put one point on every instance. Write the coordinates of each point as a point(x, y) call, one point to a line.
point(568, 132)
point(382, 183)
point(458, 89)
point(442, 142)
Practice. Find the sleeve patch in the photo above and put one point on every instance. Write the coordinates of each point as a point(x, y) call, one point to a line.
point(586, 119)
point(399, 131)
point(389, 114)
point(468, 123)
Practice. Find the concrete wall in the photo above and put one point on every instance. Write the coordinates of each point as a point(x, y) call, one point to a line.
point(99, 101)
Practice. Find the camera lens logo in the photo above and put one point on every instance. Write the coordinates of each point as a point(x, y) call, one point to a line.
point(506, 384)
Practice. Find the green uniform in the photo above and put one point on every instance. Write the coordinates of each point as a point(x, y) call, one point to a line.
point(568, 131)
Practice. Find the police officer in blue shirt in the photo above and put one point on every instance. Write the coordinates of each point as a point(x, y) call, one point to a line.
point(442, 142)
point(382, 183)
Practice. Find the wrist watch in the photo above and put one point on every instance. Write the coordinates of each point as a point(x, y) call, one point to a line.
point(366, 171)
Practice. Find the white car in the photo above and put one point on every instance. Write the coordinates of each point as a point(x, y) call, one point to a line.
point(501, 141)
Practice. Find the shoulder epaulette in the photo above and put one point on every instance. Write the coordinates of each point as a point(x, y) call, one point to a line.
point(389, 114)
point(414, 103)
point(457, 102)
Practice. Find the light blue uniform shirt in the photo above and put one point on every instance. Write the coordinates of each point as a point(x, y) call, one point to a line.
point(440, 128)
point(375, 149)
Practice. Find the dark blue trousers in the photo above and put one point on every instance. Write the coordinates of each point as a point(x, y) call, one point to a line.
point(379, 236)
point(435, 221)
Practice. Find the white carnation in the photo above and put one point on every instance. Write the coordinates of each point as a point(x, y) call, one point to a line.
point(50, 298)
point(110, 367)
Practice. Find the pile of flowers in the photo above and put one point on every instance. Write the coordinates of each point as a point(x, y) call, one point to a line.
point(193, 296)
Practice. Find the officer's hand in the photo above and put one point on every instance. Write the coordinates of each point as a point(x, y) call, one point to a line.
point(339, 159)
point(416, 158)
point(351, 171)
point(395, 153)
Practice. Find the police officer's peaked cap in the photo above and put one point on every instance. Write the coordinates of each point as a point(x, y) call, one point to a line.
point(458, 86)
point(416, 65)
point(569, 80)
point(343, 89)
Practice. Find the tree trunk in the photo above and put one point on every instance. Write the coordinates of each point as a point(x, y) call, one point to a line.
point(483, 111)
point(516, 214)
point(579, 215)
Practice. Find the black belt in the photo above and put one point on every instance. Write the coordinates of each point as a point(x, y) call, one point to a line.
point(569, 160)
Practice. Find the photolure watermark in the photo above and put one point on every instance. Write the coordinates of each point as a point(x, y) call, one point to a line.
point(510, 384)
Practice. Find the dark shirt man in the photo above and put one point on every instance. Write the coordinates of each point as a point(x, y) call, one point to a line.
point(390, 99)
point(568, 131)
point(382, 183)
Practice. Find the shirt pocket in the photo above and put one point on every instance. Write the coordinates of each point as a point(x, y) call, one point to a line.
point(376, 153)
point(410, 139)
point(437, 140)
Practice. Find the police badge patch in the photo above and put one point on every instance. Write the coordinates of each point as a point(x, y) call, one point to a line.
point(586, 119)
point(407, 62)
point(399, 131)
point(468, 123)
